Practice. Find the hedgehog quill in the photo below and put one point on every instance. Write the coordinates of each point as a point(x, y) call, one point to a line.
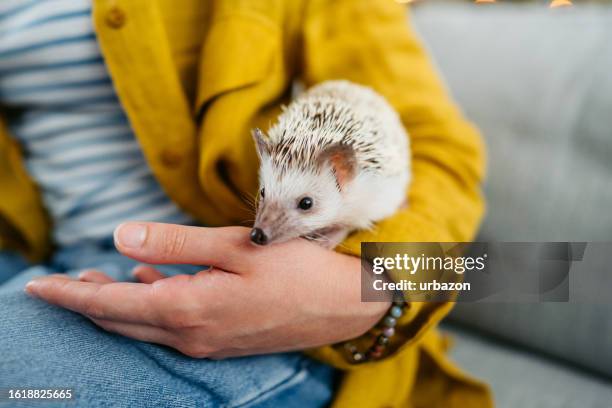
point(337, 160)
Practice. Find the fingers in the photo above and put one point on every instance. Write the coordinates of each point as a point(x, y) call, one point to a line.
point(144, 274)
point(140, 332)
point(147, 274)
point(158, 243)
point(60, 276)
point(118, 301)
point(92, 275)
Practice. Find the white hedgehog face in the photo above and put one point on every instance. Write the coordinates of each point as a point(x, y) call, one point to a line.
point(295, 203)
point(300, 199)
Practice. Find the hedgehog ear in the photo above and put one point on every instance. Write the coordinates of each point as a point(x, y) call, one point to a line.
point(342, 161)
point(261, 142)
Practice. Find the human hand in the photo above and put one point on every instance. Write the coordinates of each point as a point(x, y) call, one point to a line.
point(253, 300)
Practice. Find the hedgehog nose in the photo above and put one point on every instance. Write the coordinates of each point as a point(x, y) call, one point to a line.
point(258, 236)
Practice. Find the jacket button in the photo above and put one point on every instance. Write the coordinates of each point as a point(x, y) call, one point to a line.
point(171, 158)
point(115, 17)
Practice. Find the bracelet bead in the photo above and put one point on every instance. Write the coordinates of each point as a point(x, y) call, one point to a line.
point(382, 334)
point(389, 332)
point(396, 312)
point(358, 357)
point(390, 321)
point(350, 347)
point(382, 340)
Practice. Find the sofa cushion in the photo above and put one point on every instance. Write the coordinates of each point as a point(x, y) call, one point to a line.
point(538, 83)
point(522, 379)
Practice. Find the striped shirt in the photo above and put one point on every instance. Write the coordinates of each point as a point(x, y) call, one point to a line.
point(62, 108)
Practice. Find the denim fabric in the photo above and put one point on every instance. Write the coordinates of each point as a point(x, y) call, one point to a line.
point(11, 264)
point(42, 346)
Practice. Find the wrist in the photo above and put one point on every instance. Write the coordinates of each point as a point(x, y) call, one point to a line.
point(373, 312)
point(378, 337)
point(378, 320)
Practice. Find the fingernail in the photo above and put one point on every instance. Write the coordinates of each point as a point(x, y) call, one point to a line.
point(130, 235)
point(30, 287)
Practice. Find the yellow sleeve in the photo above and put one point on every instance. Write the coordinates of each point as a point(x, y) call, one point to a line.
point(24, 225)
point(371, 42)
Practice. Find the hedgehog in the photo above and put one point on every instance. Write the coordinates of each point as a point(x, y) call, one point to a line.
point(336, 160)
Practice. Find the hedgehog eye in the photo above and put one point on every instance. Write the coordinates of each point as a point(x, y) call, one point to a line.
point(262, 193)
point(305, 203)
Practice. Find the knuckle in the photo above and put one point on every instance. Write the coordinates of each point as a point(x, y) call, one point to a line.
point(173, 242)
point(93, 308)
point(169, 315)
point(94, 311)
point(156, 298)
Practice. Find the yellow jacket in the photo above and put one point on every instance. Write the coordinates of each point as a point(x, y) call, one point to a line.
point(195, 76)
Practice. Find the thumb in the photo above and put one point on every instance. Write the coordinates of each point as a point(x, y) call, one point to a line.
point(157, 243)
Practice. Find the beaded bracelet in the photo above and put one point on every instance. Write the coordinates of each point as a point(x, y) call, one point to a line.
point(383, 332)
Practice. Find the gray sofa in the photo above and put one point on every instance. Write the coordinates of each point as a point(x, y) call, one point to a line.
point(538, 83)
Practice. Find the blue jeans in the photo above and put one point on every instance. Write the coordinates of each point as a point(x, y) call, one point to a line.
point(42, 346)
